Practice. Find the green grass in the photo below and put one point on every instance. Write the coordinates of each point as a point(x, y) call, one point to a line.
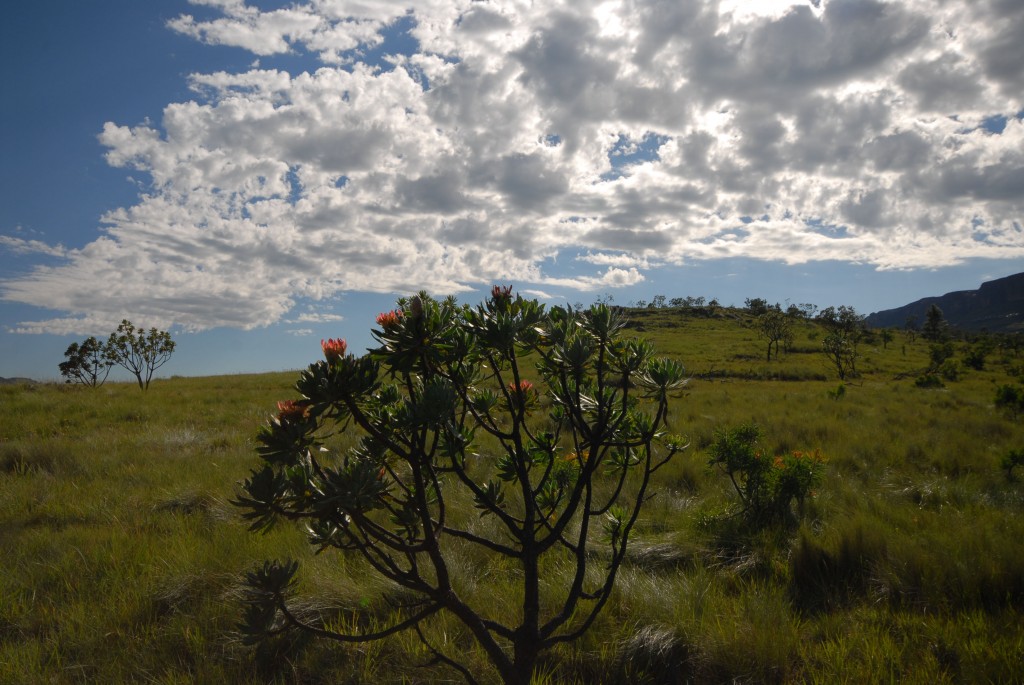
point(123, 557)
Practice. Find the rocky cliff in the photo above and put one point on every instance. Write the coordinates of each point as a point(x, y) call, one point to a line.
point(997, 306)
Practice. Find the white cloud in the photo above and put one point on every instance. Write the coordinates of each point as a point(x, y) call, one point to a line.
point(316, 317)
point(539, 294)
point(612, 278)
point(621, 259)
point(633, 133)
point(21, 246)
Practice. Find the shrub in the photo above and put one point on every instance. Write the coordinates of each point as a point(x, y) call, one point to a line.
point(1010, 399)
point(1011, 460)
point(444, 409)
point(939, 354)
point(929, 381)
point(975, 356)
point(767, 486)
point(950, 370)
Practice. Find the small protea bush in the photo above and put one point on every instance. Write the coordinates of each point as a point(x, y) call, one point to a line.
point(548, 421)
point(768, 485)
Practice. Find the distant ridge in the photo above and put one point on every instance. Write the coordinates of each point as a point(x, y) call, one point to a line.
point(14, 381)
point(997, 306)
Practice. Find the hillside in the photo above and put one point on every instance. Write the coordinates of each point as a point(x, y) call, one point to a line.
point(997, 306)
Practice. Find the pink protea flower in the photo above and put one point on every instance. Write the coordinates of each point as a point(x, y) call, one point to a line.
point(334, 349)
point(292, 410)
point(523, 394)
point(501, 292)
point(390, 320)
point(524, 387)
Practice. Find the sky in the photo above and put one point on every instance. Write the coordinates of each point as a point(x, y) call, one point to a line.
point(254, 176)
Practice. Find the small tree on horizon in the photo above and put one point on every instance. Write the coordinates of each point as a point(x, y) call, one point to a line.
point(556, 460)
point(756, 306)
point(88, 363)
point(139, 351)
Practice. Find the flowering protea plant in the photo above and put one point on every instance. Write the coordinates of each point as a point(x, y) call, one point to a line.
point(767, 485)
point(443, 411)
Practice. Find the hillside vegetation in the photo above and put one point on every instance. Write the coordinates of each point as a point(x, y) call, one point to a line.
point(123, 558)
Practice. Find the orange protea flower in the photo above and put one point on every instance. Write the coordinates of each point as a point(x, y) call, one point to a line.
point(334, 349)
point(779, 463)
point(389, 320)
point(292, 410)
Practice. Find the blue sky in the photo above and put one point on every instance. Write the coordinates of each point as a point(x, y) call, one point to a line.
point(255, 176)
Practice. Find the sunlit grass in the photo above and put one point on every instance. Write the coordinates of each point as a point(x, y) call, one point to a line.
point(123, 556)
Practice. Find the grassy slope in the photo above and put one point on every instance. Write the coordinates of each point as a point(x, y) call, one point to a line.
point(122, 556)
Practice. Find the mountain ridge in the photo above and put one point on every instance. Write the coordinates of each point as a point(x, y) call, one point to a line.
point(996, 306)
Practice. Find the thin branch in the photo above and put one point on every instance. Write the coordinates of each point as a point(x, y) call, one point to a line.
point(441, 658)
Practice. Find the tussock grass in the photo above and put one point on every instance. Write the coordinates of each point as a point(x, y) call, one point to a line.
point(123, 557)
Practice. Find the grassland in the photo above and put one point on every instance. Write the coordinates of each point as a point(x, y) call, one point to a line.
point(122, 556)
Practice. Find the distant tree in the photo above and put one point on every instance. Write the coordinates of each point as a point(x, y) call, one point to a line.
point(841, 352)
point(88, 363)
point(139, 351)
point(845, 329)
point(844, 320)
point(935, 328)
point(658, 302)
point(910, 327)
point(886, 336)
point(676, 302)
point(713, 305)
point(808, 309)
point(641, 304)
point(775, 327)
point(756, 305)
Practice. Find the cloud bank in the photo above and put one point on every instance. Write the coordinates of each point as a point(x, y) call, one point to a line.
point(623, 134)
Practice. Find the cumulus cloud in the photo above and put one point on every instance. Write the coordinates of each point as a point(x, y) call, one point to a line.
point(634, 134)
